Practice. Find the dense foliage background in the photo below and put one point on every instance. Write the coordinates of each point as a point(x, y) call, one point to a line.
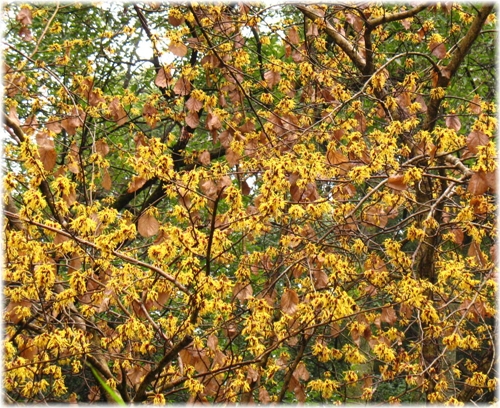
point(290, 203)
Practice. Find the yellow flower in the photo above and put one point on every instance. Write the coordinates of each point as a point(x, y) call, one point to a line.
point(437, 93)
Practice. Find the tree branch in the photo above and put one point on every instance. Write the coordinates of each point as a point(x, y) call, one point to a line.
point(341, 41)
point(374, 22)
point(120, 255)
point(44, 186)
point(292, 368)
point(446, 74)
point(141, 392)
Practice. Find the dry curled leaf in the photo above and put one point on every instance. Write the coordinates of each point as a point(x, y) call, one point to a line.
point(476, 138)
point(289, 302)
point(25, 16)
point(396, 182)
point(272, 78)
point(204, 158)
point(293, 36)
point(106, 180)
point(194, 104)
point(453, 122)
point(388, 315)
point(148, 225)
point(101, 147)
point(438, 49)
point(178, 49)
point(192, 120)
point(478, 184)
point(242, 291)
point(136, 184)
point(182, 86)
point(117, 112)
point(163, 77)
point(46, 151)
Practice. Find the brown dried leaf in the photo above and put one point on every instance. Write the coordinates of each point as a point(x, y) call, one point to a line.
point(106, 180)
point(231, 331)
point(293, 36)
point(73, 165)
point(336, 158)
point(117, 112)
point(11, 313)
point(74, 264)
point(135, 374)
point(475, 252)
point(182, 86)
point(453, 122)
point(28, 350)
point(477, 184)
point(243, 291)
point(375, 215)
point(101, 147)
point(388, 315)
point(252, 374)
point(312, 30)
point(301, 372)
point(320, 279)
point(423, 106)
point(491, 180)
point(212, 342)
point(406, 23)
point(437, 49)
point(150, 113)
point(163, 78)
point(54, 125)
point(289, 302)
point(210, 61)
point(245, 188)
point(476, 138)
point(344, 191)
point(46, 151)
point(209, 188)
point(25, 34)
point(475, 105)
point(70, 198)
point(264, 397)
point(148, 225)
point(175, 21)
point(232, 157)
point(193, 104)
point(405, 310)
point(396, 182)
point(204, 158)
point(458, 236)
point(192, 120)
point(136, 183)
point(272, 78)
point(24, 16)
point(404, 100)
point(73, 121)
point(213, 122)
point(94, 395)
point(178, 49)
point(136, 305)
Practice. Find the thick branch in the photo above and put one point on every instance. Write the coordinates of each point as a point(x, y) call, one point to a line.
point(341, 41)
point(447, 73)
point(44, 186)
point(292, 368)
point(374, 22)
point(141, 392)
